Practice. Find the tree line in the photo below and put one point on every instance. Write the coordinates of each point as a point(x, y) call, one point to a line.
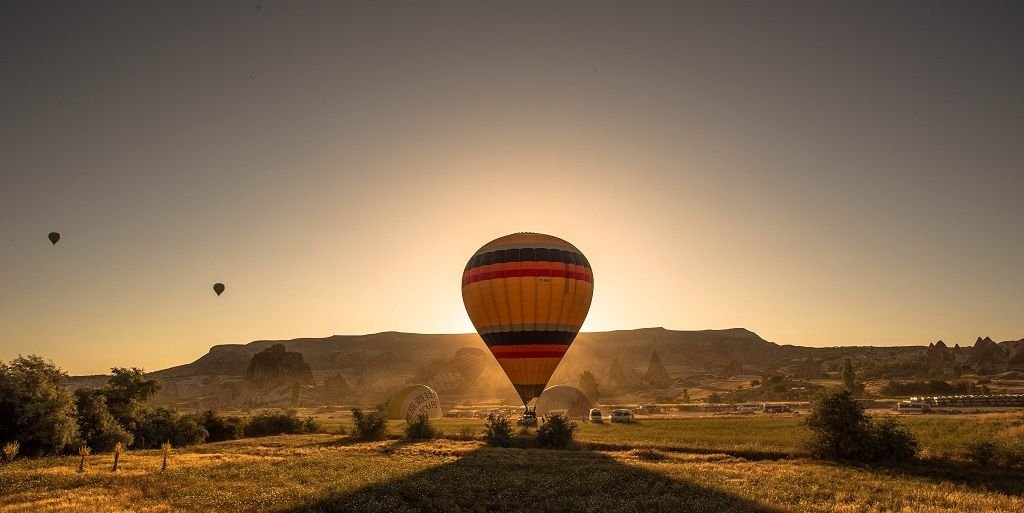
point(42, 417)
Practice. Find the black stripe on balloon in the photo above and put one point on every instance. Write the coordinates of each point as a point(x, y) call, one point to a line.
point(502, 256)
point(527, 392)
point(517, 338)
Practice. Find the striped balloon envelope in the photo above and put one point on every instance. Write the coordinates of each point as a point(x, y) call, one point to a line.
point(527, 295)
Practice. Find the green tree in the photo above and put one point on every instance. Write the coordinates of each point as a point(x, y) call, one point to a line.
point(842, 431)
point(163, 425)
point(35, 408)
point(588, 384)
point(97, 428)
point(128, 392)
point(849, 376)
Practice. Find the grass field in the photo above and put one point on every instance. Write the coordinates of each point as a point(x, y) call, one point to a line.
point(940, 436)
point(328, 472)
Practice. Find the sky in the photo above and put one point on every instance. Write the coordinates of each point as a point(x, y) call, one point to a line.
point(821, 173)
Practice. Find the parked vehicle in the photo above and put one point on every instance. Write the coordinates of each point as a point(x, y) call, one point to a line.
point(528, 419)
point(776, 408)
point(621, 415)
point(595, 415)
point(910, 408)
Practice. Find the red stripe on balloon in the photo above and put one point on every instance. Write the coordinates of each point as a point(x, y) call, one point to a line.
point(529, 351)
point(473, 276)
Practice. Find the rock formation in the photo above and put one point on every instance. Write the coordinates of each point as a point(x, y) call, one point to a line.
point(656, 375)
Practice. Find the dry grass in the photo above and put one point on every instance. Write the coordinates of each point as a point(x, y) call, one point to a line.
point(332, 473)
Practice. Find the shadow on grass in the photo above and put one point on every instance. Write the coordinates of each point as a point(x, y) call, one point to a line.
point(977, 477)
point(534, 480)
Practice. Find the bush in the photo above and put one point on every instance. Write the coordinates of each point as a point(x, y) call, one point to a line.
point(164, 425)
point(269, 424)
point(983, 452)
point(369, 426)
point(498, 431)
point(220, 429)
point(35, 408)
point(311, 425)
point(556, 433)
point(1001, 452)
point(466, 434)
point(10, 451)
point(892, 440)
point(842, 431)
point(419, 428)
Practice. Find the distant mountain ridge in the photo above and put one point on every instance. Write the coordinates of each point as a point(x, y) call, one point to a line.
point(372, 365)
point(391, 350)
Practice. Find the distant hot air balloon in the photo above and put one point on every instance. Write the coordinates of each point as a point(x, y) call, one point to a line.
point(54, 238)
point(470, 362)
point(412, 401)
point(564, 397)
point(218, 288)
point(527, 295)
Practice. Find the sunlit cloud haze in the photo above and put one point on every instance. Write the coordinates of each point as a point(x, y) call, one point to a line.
point(820, 174)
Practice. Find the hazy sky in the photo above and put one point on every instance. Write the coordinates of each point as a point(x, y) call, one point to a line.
point(822, 173)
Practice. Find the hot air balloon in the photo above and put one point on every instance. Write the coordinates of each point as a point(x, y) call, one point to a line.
point(54, 238)
point(218, 288)
point(527, 295)
point(470, 363)
point(564, 398)
point(412, 401)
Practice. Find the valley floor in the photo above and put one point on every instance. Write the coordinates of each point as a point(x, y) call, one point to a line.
point(333, 473)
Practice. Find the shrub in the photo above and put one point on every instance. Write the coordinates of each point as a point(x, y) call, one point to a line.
point(311, 425)
point(165, 451)
point(983, 452)
point(163, 425)
point(220, 429)
point(498, 431)
point(466, 434)
point(118, 449)
point(556, 433)
point(269, 424)
point(11, 451)
point(998, 452)
point(35, 408)
point(419, 428)
point(891, 440)
point(842, 431)
point(369, 426)
point(83, 451)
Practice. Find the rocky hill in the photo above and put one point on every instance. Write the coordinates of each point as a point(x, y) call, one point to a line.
point(370, 366)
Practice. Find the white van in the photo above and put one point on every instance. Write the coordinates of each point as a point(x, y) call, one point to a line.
point(913, 408)
point(621, 415)
point(595, 415)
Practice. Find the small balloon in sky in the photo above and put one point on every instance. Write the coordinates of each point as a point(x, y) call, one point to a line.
point(218, 288)
point(54, 238)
